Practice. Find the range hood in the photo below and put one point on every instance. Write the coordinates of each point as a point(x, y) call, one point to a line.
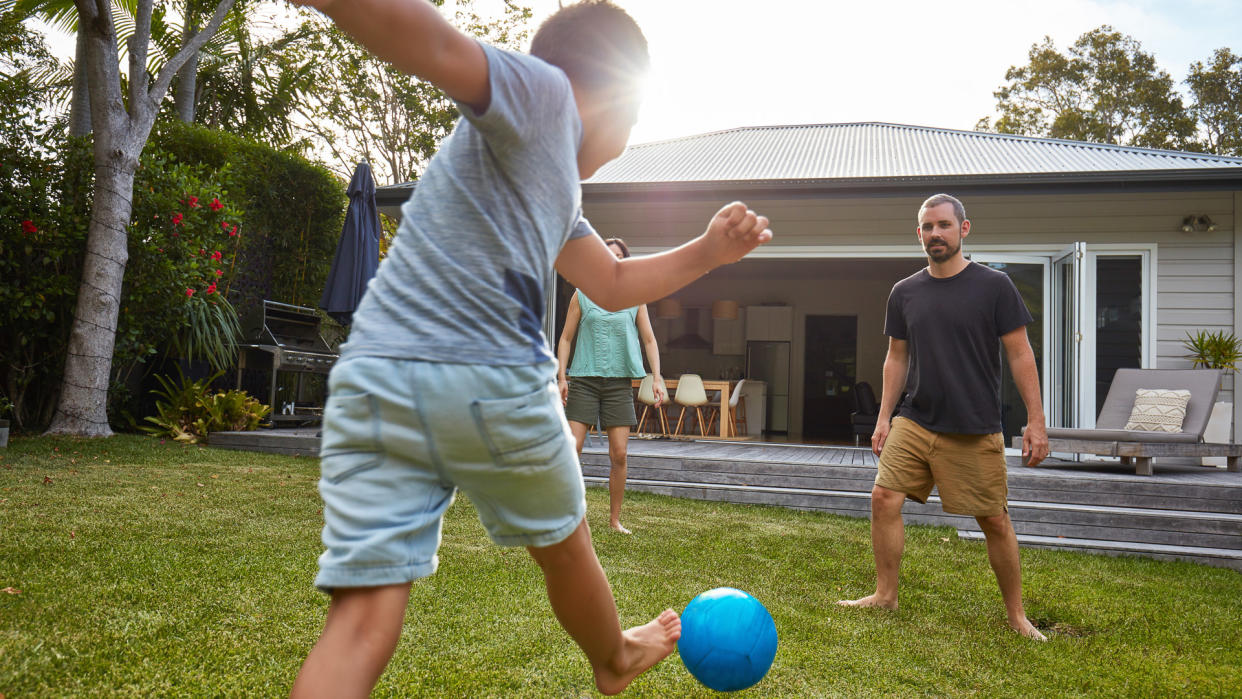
point(690, 339)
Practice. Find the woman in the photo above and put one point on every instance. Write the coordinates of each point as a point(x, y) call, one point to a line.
point(606, 360)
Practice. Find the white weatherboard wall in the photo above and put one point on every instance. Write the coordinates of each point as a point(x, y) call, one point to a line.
point(1196, 274)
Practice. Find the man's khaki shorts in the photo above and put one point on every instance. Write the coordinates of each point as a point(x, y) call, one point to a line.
point(968, 469)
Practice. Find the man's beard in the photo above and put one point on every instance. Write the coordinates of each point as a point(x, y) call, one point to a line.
point(945, 255)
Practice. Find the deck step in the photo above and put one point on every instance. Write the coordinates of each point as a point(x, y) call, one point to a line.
point(1227, 558)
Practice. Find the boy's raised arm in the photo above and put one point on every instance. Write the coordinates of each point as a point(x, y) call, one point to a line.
point(416, 39)
point(614, 284)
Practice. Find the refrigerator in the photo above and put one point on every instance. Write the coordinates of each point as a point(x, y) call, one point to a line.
point(768, 361)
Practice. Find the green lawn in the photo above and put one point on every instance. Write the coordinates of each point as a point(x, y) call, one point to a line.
point(154, 569)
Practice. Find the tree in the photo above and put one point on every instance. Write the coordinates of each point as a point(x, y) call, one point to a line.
point(61, 13)
point(1217, 106)
point(362, 109)
point(1106, 90)
point(251, 88)
point(121, 121)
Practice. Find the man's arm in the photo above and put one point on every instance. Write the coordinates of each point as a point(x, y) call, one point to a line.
point(896, 366)
point(572, 316)
point(615, 284)
point(1026, 376)
point(416, 39)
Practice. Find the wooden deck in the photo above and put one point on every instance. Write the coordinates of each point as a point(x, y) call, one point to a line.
point(1180, 512)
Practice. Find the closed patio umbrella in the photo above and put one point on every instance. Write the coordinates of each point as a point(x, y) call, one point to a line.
point(357, 253)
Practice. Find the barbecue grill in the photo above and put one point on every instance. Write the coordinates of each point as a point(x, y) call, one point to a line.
point(285, 338)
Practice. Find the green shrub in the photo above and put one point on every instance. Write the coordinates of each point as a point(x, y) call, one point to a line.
point(44, 210)
point(292, 210)
point(188, 410)
point(286, 212)
point(185, 235)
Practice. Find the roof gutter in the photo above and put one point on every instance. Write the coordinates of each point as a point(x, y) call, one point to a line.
point(1141, 180)
point(1223, 179)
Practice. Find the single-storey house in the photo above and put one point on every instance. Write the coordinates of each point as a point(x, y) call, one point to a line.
point(1120, 253)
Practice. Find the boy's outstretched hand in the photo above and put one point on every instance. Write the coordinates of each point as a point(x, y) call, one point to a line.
point(734, 231)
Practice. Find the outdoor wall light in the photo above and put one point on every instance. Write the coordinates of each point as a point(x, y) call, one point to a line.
point(1202, 223)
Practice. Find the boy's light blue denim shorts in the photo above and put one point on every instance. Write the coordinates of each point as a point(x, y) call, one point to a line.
point(399, 438)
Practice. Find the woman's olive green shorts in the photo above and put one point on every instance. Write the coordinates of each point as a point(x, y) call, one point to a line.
point(608, 398)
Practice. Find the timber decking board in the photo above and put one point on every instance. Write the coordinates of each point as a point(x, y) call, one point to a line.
point(1183, 511)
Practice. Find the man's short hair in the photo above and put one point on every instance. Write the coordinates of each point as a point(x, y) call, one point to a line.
point(937, 199)
point(596, 43)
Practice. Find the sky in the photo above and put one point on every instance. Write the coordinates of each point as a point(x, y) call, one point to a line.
point(719, 64)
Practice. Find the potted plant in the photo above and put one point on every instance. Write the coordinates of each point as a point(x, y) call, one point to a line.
point(1216, 350)
point(5, 408)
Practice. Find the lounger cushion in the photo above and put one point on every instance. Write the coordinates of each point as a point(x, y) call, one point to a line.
point(1158, 410)
point(1097, 435)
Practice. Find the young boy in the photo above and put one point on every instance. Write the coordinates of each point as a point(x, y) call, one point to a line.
point(447, 380)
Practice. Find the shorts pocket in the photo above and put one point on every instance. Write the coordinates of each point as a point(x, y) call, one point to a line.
point(350, 436)
point(524, 430)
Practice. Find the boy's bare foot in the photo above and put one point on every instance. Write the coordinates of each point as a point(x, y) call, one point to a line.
point(869, 601)
point(1026, 628)
point(642, 647)
point(619, 528)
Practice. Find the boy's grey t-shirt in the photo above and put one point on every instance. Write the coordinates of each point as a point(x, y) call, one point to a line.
point(464, 280)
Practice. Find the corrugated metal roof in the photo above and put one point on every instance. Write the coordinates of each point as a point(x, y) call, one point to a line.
point(876, 150)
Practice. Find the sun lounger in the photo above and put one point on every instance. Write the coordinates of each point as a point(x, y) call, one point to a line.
point(1111, 438)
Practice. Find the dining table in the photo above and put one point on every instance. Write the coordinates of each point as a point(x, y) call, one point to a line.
point(724, 386)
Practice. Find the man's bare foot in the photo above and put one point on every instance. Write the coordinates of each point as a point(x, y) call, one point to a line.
point(642, 647)
point(617, 527)
point(1026, 628)
point(873, 600)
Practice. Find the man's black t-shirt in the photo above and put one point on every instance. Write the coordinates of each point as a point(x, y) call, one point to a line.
point(953, 327)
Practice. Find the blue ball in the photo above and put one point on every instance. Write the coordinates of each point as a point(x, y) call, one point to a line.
point(728, 639)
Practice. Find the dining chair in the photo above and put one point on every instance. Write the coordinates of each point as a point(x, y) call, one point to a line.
point(646, 396)
point(737, 411)
point(690, 394)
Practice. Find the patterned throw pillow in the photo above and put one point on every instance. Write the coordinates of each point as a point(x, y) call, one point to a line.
point(1158, 410)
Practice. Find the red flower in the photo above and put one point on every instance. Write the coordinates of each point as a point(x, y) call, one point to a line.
point(193, 202)
point(234, 231)
point(189, 292)
point(176, 219)
point(216, 256)
point(211, 288)
point(215, 204)
point(202, 251)
point(28, 227)
point(224, 225)
point(219, 273)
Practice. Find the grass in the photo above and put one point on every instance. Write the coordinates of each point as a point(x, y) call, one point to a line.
point(153, 569)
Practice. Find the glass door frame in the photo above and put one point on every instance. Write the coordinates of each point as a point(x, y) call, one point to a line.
point(1045, 262)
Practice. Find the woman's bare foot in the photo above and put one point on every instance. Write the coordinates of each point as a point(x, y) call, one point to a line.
point(873, 600)
point(617, 527)
point(642, 647)
point(1026, 628)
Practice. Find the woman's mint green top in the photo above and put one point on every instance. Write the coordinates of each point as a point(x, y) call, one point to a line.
point(607, 343)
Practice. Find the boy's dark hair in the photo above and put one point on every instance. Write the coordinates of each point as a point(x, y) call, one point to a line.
point(625, 249)
point(596, 43)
